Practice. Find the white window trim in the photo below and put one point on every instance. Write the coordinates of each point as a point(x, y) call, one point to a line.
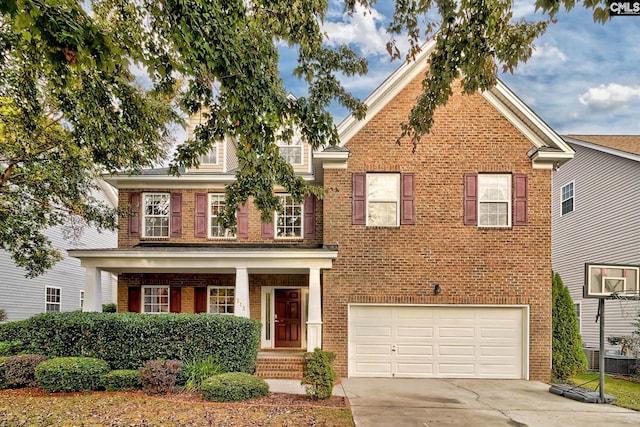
point(144, 215)
point(209, 288)
point(275, 222)
point(215, 148)
point(397, 201)
point(296, 142)
point(573, 196)
point(142, 309)
point(46, 302)
point(210, 220)
point(579, 314)
point(509, 201)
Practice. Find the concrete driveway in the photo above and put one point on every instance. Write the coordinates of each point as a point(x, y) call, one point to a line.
point(464, 402)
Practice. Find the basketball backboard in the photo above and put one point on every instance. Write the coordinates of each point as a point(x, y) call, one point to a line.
point(611, 281)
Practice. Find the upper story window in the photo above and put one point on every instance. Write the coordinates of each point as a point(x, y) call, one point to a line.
point(383, 199)
point(566, 197)
point(221, 299)
point(155, 214)
point(81, 300)
point(155, 299)
point(289, 219)
point(494, 200)
point(216, 207)
point(53, 299)
point(292, 153)
point(211, 158)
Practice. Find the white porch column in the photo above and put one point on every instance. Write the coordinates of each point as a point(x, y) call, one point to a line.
point(314, 321)
point(92, 290)
point(241, 307)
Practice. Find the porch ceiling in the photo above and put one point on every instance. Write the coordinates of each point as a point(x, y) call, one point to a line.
point(205, 260)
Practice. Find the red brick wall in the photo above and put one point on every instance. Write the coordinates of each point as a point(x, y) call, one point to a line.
point(473, 266)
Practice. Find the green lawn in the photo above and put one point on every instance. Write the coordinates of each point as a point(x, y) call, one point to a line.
point(628, 392)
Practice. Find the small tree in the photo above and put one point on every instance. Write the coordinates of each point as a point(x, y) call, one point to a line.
point(568, 358)
point(319, 376)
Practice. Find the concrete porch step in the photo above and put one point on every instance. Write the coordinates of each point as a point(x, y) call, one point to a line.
point(280, 365)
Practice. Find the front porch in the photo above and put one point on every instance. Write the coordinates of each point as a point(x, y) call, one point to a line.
point(280, 364)
point(290, 310)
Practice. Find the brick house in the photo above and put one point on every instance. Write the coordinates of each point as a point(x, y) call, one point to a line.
point(433, 264)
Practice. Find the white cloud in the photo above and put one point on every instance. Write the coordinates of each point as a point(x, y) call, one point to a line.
point(364, 30)
point(610, 97)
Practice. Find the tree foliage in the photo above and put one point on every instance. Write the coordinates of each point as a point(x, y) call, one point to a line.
point(568, 358)
point(71, 109)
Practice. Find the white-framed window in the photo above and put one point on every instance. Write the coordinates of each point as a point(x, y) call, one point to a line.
point(494, 200)
point(289, 219)
point(292, 153)
point(81, 300)
point(53, 298)
point(155, 299)
point(211, 158)
point(221, 299)
point(216, 207)
point(383, 199)
point(578, 308)
point(156, 214)
point(567, 198)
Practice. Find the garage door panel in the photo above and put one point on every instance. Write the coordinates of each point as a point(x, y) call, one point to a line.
point(414, 332)
point(373, 349)
point(414, 350)
point(456, 350)
point(437, 341)
point(456, 332)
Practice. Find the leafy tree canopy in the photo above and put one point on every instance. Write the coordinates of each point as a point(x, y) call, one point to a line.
point(72, 109)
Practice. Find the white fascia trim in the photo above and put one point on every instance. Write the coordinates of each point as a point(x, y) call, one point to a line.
point(109, 191)
point(152, 182)
point(511, 97)
point(607, 150)
point(385, 92)
point(204, 260)
point(333, 159)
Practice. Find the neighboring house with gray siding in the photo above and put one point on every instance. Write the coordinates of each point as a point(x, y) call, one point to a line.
point(62, 287)
point(596, 219)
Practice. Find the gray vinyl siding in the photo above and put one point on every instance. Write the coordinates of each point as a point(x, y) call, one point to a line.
point(22, 298)
point(603, 228)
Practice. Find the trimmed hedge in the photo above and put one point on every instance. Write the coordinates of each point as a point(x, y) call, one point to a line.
point(127, 340)
point(69, 374)
point(3, 380)
point(319, 376)
point(233, 387)
point(19, 370)
point(160, 376)
point(11, 348)
point(121, 380)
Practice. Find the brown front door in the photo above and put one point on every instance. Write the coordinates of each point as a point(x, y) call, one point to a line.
point(287, 318)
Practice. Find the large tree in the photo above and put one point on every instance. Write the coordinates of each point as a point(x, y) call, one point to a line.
point(72, 110)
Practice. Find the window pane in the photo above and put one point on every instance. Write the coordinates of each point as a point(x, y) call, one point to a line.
point(155, 299)
point(383, 213)
point(156, 221)
point(216, 206)
point(289, 219)
point(383, 187)
point(211, 158)
point(494, 187)
point(221, 300)
point(494, 214)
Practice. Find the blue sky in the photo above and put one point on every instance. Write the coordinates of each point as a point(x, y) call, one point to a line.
point(582, 78)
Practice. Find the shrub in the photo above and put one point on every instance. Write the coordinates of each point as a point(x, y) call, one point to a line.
point(11, 348)
point(109, 308)
point(159, 376)
point(319, 376)
point(19, 370)
point(3, 380)
point(127, 340)
point(233, 386)
point(195, 372)
point(3, 315)
point(121, 380)
point(68, 374)
point(568, 358)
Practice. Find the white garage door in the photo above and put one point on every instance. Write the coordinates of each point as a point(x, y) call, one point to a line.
point(438, 341)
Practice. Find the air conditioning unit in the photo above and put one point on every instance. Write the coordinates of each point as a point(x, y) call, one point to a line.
point(593, 358)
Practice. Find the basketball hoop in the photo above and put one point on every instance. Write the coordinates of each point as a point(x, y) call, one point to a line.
point(629, 303)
